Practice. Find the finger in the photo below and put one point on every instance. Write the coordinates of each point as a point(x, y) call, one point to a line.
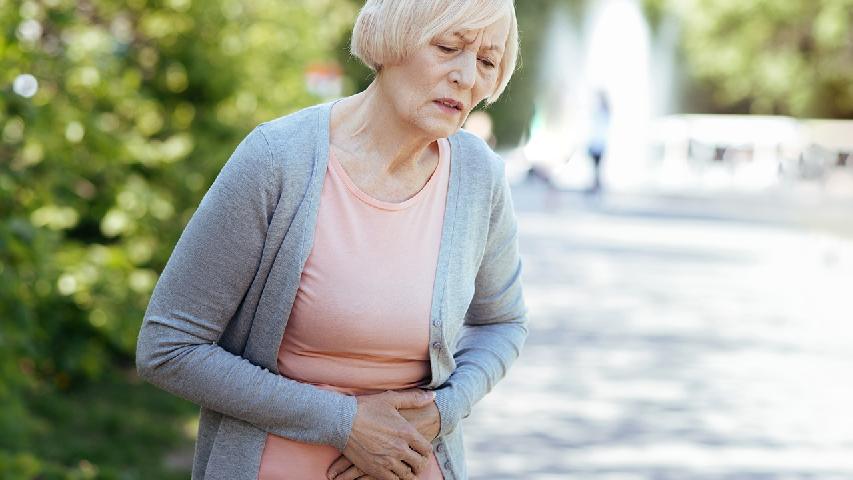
point(415, 461)
point(338, 466)
point(350, 473)
point(411, 399)
point(419, 444)
point(403, 471)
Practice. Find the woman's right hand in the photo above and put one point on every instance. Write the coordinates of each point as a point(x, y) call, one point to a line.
point(382, 443)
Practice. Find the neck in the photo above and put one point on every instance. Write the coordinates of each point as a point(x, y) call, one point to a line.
point(367, 126)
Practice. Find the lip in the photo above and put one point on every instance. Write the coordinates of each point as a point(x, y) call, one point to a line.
point(450, 104)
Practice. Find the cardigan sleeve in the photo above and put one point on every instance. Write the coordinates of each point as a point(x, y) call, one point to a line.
point(201, 287)
point(495, 325)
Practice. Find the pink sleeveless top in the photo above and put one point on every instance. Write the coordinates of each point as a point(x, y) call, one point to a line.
point(360, 320)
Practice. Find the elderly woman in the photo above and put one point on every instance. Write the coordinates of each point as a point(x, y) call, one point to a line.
point(348, 287)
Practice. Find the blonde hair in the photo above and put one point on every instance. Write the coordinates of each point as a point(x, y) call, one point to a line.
point(387, 31)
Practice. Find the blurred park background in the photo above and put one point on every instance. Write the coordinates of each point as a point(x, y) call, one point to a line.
point(691, 320)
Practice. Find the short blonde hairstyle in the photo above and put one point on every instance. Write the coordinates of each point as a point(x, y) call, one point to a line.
point(387, 31)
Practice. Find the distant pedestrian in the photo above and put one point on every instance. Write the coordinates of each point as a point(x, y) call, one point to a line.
point(598, 138)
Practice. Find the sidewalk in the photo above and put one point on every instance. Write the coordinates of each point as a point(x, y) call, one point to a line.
point(801, 209)
point(674, 339)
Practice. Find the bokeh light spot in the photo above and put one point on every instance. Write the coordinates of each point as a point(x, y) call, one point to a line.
point(74, 132)
point(66, 284)
point(25, 85)
point(29, 31)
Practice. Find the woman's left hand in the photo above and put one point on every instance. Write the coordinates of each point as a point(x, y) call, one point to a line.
point(426, 420)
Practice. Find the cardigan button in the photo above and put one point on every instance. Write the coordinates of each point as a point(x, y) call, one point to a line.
point(436, 322)
point(436, 346)
point(447, 464)
point(439, 448)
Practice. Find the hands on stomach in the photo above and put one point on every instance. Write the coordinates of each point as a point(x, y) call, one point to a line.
point(390, 437)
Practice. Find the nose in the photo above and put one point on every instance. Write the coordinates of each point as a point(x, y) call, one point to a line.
point(465, 71)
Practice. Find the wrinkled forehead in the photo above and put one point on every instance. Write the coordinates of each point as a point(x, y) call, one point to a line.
point(491, 37)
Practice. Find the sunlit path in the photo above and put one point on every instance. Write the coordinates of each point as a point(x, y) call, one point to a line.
point(666, 347)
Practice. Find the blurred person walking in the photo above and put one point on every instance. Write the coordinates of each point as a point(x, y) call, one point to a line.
point(599, 129)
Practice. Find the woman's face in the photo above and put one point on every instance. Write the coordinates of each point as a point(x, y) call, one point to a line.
point(438, 85)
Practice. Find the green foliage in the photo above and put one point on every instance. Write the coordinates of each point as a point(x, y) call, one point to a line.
point(117, 428)
point(139, 104)
point(769, 56)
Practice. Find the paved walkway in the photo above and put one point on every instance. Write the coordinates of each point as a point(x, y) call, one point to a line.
point(666, 345)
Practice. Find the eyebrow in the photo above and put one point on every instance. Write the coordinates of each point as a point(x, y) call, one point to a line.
point(496, 48)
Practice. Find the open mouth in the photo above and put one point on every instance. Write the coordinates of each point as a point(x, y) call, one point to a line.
point(449, 103)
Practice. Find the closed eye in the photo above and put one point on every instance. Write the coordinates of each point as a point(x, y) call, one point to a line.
point(488, 63)
point(446, 49)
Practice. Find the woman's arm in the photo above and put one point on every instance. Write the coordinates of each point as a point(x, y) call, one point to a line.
point(202, 285)
point(496, 321)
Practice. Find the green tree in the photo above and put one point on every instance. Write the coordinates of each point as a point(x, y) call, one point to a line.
point(791, 57)
point(138, 105)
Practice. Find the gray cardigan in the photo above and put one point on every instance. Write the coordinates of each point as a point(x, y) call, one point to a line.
point(217, 314)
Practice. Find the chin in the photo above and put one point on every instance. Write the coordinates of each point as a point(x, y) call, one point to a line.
point(436, 126)
point(437, 129)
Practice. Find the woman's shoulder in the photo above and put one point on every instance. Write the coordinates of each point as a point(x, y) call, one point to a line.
point(478, 155)
point(292, 140)
point(294, 130)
